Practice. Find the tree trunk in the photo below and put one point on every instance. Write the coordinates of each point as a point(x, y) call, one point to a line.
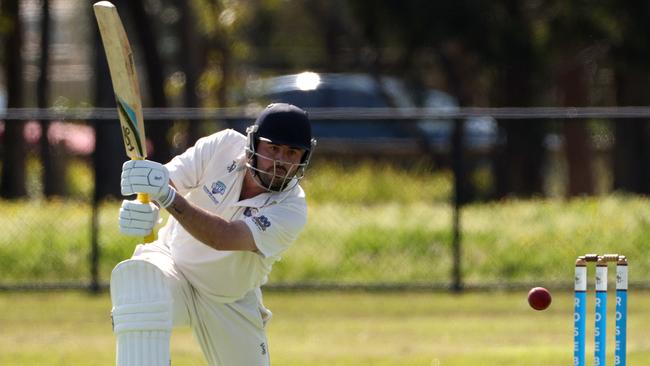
point(518, 167)
point(13, 167)
point(156, 131)
point(189, 63)
point(519, 162)
point(579, 158)
point(222, 44)
point(573, 84)
point(631, 147)
point(328, 15)
point(51, 156)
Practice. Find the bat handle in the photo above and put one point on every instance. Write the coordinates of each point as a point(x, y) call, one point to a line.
point(144, 198)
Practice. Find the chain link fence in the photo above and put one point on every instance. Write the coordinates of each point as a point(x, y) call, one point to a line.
point(382, 221)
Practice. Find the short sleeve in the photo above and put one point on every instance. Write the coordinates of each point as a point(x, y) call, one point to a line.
point(276, 227)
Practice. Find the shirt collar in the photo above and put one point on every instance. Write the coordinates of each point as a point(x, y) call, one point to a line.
point(266, 199)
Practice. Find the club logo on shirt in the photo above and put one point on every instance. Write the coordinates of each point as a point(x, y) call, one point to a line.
point(217, 188)
point(232, 166)
point(262, 222)
point(250, 211)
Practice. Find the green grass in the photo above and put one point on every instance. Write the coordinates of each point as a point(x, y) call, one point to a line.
point(372, 223)
point(325, 329)
point(511, 241)
point(391, 242)
point(374, 183)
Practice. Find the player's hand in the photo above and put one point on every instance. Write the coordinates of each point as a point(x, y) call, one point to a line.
point(145, 176)
point(137, 218)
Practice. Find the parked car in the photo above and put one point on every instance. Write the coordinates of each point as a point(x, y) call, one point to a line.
point(480, 133)
point(310, 90)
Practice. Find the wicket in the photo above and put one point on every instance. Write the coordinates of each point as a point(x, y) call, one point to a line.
point(600, 328)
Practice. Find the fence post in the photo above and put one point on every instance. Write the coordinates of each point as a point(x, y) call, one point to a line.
point(94, 248)
point(458, 200)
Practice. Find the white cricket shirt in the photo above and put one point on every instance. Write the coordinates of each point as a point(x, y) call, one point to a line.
point(210, 175)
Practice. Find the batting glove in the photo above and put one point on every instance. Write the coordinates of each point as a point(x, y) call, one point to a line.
point(137, 218)
point(145, 176)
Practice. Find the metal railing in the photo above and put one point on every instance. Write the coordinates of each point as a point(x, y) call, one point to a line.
point(356, 113)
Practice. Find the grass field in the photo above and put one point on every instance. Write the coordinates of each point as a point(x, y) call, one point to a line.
point(369, 225)
point(335, 329)
point(386, 242)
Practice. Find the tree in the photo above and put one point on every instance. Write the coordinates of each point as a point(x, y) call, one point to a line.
point(631, 57)
point(513, 53)
point(189, 62)
point(574, 87)
point(463, 43)
point(53, 167)
point(144, 31)
point(220, 28)
point(13, 167)
point(576, 31)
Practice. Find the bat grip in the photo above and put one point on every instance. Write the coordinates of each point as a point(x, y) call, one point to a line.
point(144, 198)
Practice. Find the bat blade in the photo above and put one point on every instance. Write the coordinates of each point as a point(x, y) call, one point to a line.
point(124, 78)
point(125, 84)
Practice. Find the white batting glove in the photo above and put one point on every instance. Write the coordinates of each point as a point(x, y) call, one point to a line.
point(137, 218)
point(145, 176)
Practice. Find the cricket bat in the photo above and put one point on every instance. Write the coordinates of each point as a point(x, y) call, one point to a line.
point(125, 84)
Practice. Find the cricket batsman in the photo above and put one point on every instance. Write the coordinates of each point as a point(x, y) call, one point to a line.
point(235, 206)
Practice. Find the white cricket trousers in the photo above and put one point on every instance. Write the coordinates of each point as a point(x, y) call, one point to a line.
point(230, 334)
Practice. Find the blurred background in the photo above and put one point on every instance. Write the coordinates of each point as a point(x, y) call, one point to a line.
point(465, 144)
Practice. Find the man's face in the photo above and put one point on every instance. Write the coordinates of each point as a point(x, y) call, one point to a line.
point(278, 163)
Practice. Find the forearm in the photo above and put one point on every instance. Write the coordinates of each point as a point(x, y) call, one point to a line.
point(211, 229)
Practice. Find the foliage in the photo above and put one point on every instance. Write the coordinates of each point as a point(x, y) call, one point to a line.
point(369, 183)
point(370, 224)
point(38, 243)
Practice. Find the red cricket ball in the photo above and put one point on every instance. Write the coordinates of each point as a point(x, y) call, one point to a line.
point(539, 298)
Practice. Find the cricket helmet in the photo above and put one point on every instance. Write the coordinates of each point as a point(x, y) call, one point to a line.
point(280, 124)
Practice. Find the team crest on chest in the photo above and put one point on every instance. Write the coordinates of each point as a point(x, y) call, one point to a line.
point(217, 188)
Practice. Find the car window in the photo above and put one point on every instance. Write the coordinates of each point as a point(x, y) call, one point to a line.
point(322, 98)
point(354, 98)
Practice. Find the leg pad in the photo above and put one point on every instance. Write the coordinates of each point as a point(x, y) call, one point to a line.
point(142, 314)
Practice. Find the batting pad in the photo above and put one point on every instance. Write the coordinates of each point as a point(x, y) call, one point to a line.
point(142, 314)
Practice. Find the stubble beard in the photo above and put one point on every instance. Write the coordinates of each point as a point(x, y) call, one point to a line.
point(274, 182)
